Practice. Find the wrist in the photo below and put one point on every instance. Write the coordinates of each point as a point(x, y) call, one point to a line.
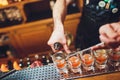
point(58, 26)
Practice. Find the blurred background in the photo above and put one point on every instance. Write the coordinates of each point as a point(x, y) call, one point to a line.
point(25, 27)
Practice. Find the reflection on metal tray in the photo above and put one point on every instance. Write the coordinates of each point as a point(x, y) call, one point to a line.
point(48, 72)
point(96, 72)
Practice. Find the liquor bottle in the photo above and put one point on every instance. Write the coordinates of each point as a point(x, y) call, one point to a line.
point(69, 38)
point(49, 60)
point(4, 68)
point(44, 60)
point(37, 57)
point(10, 65)
point(37, 62)
point(21, 64)
point(28, 62)
point(16, 65)
point(10, 54)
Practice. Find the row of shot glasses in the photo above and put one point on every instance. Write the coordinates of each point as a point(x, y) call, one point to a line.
point(86, 60)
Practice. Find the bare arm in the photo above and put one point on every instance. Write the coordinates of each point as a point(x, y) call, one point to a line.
point(59, 13)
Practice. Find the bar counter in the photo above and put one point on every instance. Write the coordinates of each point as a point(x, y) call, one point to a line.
point(111, 76)
point(49, 72)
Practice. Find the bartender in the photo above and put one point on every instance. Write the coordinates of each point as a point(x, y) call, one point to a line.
point(95, 14)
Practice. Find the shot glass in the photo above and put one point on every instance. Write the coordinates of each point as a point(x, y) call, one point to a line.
point(74, 62)
point(114, 59)
point(59, 60)
point(101, 57)
point(87, 60)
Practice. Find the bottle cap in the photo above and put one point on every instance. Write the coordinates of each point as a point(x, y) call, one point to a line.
point(57, 46)
point(114, 10)
point(43, 56)
point(36, 56)
point(102, 4)
point(28, 58)
point(106, 0)
point(48, 61)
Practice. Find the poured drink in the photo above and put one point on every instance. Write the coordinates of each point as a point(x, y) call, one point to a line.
point(74, 61)
point(101, 57)
point(114, 58)
point(60, 63)
point(59, 60)
point(87, 59)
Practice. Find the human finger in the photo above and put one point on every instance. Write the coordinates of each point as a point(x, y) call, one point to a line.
point(116, 27)
point(108, 30)
point(53, 49)
point(99, 46)
point(106, 40)
point(110, 43)
point(66, 48)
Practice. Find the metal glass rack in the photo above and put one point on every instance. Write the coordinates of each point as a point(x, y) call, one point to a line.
point(48, 72)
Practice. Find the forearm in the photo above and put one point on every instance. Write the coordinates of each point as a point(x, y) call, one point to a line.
point(59, 12)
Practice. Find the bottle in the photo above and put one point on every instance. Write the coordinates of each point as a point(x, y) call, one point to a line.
point(21, 63)
point(49, 60)
point(50, 57)
point(28, 62)
point(16, 65)
point(37, 57)
point(4, 68)
point(37, 62)
point(10, 65)
point(10, 54)
point(44, 60)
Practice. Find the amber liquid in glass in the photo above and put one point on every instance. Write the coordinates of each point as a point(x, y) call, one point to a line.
point(75, 64)
point(87, 59)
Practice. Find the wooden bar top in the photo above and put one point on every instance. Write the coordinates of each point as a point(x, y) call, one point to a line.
point(111, 76)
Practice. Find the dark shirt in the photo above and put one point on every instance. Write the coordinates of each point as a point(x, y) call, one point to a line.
point(95, 14)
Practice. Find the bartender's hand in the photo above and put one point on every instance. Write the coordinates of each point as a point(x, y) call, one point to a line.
point(58, 36)
point(110, 35)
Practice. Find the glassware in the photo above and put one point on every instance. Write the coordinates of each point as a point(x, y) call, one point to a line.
point(59, 59)
point(69, 38)
point(87, 60)
point(74, 62)
point(101, 58)
point(114, 58)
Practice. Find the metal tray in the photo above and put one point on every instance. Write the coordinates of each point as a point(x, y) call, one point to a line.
point(49, 72)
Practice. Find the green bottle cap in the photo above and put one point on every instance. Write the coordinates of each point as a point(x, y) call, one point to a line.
point(106, 0)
